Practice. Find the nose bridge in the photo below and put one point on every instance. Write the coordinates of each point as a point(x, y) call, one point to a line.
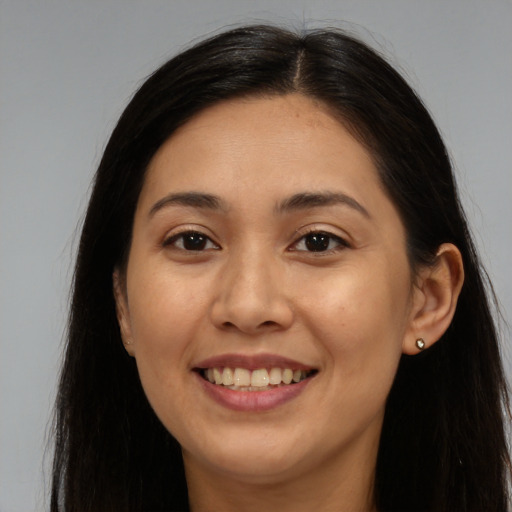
point(251, 294)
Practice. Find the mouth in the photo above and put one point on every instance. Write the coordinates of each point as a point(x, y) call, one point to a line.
point(253, 383)
point(260, 379)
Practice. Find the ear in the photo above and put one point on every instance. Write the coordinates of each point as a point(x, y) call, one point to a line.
point(435, 298)
point(122, 311)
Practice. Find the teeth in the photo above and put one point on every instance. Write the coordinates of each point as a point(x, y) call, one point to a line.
point(227, 377)
point(253, 380)
point(287, 376)
point(259, 378)
point(242, 377)
point(275, 376)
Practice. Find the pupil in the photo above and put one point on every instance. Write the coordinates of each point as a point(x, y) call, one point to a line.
point(194, 241)
point(317, 242)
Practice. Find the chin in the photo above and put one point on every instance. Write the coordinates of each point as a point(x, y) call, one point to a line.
point(261, 460)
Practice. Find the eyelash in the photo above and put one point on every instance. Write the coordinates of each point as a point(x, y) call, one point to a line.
point(171, 241)
point(340, 242)
point(206, 240)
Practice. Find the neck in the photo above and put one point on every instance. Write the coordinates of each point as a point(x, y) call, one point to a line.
point(333, 487)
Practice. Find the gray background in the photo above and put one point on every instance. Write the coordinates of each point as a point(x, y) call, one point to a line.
point(67, 69)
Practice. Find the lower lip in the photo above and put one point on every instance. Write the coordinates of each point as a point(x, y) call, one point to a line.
point(253, 401)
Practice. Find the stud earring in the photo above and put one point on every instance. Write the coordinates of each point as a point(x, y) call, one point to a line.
point(420, 343)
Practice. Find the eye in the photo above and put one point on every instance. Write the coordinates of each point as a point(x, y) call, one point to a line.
point(190, 241)
point(319, 241)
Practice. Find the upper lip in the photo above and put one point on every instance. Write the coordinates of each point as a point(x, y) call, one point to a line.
point(251, 362)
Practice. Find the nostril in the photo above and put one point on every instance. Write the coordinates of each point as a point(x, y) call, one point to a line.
point(263, 325)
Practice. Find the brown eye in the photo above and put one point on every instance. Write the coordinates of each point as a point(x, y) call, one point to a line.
point(320, 241)
point(317, 242)
point(191, 241)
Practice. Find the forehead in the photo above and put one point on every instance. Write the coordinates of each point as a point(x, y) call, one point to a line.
point(275, 139)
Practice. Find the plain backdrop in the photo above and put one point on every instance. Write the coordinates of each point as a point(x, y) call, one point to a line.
point(67, 69)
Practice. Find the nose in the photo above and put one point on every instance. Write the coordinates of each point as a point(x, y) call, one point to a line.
point(251, 296)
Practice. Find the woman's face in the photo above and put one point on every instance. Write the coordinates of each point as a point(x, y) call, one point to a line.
point(265, 249)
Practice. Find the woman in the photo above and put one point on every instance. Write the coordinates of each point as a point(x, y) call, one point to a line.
point(277, 302)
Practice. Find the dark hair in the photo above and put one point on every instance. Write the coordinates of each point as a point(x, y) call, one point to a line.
point(443, 445)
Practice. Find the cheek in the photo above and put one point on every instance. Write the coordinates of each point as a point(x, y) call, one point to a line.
point(355, 302)
point(360, 319)
point(163, 304)
point(163, 327)
point(163, 314)
point(362, 332)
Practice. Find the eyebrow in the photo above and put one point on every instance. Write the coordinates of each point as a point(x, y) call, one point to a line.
point(193, 199)
point(301, 201)
point(306, 200)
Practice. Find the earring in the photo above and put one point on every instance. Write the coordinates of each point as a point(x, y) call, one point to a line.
point(420, 343)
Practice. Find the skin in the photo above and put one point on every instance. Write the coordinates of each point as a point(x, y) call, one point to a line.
point(349, 312)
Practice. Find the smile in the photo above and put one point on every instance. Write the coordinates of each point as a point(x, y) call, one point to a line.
point(261, 379)
point(253, 383)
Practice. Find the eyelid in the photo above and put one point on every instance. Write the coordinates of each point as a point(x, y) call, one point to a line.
point(173, 235)
point(303, 232)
